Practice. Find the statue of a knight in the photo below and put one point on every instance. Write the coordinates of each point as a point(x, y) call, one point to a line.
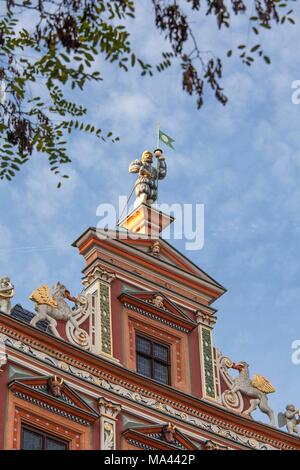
point(148, 176)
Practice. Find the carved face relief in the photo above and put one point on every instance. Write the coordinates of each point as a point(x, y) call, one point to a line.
point(55, 385)
point(169, 433)
point(210, 445)
point(155, 248)
point(158, 301)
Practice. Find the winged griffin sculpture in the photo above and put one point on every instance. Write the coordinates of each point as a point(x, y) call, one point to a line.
point(256, 389)
point(53, 306)
point(6, 294)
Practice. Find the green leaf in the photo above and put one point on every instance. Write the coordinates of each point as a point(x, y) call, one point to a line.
point(255, 48)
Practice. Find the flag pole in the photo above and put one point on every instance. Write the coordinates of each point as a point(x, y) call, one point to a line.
point(157, 164)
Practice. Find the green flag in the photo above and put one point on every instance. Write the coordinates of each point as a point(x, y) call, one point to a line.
point(166, 139)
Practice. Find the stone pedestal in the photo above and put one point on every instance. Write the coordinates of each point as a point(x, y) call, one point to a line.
point(146, 220)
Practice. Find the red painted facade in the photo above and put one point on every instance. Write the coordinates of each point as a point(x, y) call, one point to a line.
point(101, 400)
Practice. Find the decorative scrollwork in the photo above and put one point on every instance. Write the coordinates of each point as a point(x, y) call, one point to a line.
point(74, 333)
point(231, 400)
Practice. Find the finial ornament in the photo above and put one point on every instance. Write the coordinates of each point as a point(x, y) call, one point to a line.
point(290, 418)
point(6, 294)
point(256, 389)
point(147, 183)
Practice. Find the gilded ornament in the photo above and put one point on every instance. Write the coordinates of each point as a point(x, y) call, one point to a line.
point(260, 382)
point(42, 296)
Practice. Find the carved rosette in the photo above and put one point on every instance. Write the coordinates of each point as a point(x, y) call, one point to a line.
point(108, 418)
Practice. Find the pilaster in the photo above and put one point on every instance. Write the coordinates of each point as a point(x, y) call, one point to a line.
point(3, 356)
point(97, 282)
point(108, 419)
point(206, 323)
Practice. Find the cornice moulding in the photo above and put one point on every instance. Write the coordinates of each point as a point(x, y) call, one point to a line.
point(158, 400)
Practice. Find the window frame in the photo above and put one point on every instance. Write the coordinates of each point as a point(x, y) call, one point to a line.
point(153, 341)
point(44, 435)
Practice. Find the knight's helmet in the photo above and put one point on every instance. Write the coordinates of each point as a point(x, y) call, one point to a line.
point(146, 155)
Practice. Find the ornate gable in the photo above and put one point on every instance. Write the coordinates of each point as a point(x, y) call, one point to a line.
point(155, 257)
point(158, 437)
point(157, 306)
point(53, 394)
point(164, 251)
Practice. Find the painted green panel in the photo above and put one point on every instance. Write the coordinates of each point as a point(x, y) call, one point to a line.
point(105, 319)
point(208, 363)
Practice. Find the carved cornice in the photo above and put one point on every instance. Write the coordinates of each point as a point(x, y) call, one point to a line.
point(35, 391)
point(98, 274)
point(159, 436)
point(164, 311)
point(140, 445)
point(145, 313)
point(227, 427)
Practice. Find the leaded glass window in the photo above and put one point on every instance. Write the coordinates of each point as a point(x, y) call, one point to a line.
point(152, 359)
point(33, 439)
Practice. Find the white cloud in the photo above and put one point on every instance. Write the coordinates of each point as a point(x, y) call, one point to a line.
point(241, 161)
point(43, 200)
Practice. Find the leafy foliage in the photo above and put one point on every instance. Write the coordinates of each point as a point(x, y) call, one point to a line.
point(40, 66)
point(203, 67)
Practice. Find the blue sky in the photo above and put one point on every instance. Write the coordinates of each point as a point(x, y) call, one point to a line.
point(242, 162)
